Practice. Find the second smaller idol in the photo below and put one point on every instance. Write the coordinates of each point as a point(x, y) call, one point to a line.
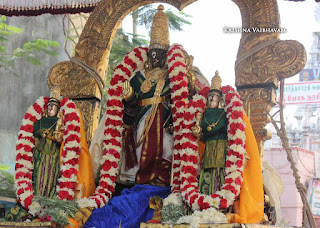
point(211, 128)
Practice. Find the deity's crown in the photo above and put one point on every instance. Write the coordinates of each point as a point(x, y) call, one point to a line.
point(216, 84)
point(160, 30)
point(55, 95)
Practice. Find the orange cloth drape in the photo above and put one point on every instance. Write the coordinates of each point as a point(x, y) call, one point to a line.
point(85, 174)
point(251, 195)
point(73, 223)
point(201, 147)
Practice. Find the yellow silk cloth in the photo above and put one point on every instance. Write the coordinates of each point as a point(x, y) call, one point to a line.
point(251, 195)
point(85, 186)
point(85, 176)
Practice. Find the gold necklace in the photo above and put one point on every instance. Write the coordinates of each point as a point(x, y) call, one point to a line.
point(46, 131)
point(151, 78)
point(213, 125)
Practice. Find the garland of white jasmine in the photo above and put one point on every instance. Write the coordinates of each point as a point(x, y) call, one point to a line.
point(234, 160)
point(70, 154)
point(133, 62)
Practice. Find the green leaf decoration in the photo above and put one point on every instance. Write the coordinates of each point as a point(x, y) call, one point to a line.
point(7, 184)
point(58, 210)
point(30, 51)
point(33, 61)
point(2, 49)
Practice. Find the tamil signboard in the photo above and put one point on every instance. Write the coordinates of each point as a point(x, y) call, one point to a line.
point(309, 75)
point(317, 163)
point(301, 93)
point(313, 195)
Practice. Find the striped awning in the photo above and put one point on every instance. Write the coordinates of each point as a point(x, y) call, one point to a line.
point(38, 7)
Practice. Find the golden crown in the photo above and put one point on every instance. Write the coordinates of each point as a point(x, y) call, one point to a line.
point(160, 30)
point(55, 92)
point(55, 95)
point(216, 83)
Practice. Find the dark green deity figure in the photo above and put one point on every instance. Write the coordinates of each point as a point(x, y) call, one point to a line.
point(211, 127)
point(47, 152)
point(46, 158)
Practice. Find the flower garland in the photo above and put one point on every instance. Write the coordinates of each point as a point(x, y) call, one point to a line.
point(179, 98)
point(234, 161)
point(70, 153)
point(195, 105)
point(133, 62)
point(207, 216)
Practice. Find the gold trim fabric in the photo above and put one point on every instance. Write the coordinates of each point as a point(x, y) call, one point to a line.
point(215, 154)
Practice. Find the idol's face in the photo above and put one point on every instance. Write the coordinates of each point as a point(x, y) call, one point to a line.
point(52, 110)
point(157, 57)
point(213, 100)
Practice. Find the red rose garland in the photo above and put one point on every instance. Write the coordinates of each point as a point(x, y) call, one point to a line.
point(133, 62)
point(195, 105)
point(70, 154)
point(234, 162)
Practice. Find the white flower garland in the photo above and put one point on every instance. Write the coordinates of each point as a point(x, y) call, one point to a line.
point(70, 153)
point(195, 105)
point(179, 98)
point(207, 216)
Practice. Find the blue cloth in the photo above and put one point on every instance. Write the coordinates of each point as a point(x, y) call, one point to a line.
point(129, 209)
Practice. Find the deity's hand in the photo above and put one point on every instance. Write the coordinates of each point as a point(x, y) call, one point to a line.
point(58, 136)
point(127, 91)
point(246, 159)
point(196, 130)
point(58, 133)
point(82, 215)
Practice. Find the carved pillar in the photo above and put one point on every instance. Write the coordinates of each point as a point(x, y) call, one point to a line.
point(262, 60)
point(257, 103)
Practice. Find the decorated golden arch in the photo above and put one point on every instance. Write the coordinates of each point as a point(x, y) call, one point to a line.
point(262, 60)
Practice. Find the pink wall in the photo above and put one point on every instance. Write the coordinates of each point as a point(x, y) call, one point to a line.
point(291, 204)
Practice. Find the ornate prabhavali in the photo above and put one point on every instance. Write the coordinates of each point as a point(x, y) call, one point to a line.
point(263, 59)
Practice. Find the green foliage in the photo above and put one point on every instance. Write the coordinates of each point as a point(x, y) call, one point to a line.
point(171, 213)
point(30, 51)
point(57, 210)
point(7, 184)
point(31, 47)
point(6, 30)
point(122, 43)
point(176, 20)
